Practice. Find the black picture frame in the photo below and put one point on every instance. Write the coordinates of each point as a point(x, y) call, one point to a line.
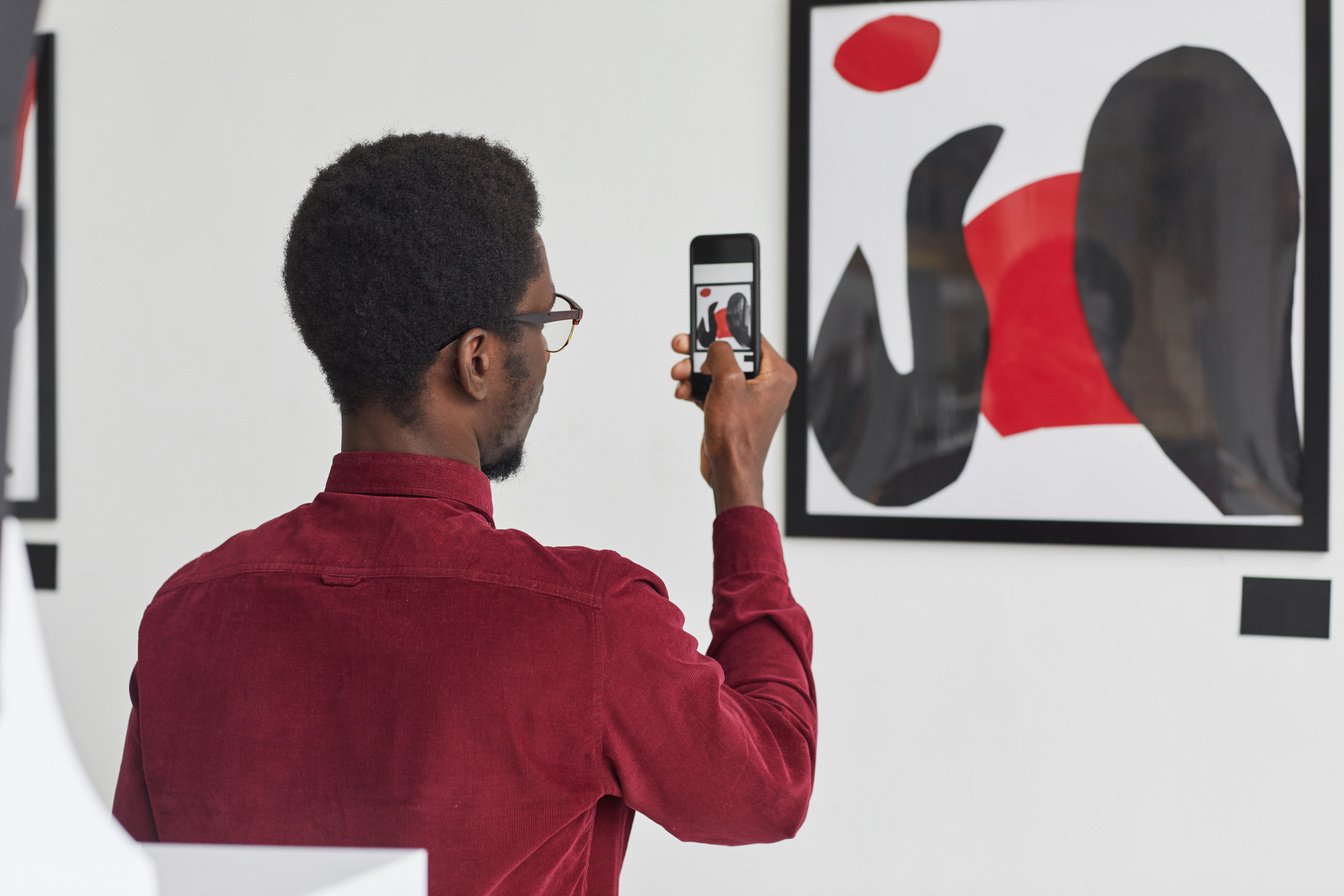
point(1311, 535)
point(44, 506)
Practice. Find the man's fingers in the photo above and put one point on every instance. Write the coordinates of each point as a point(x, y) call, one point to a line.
point(681, 371)
point(685, 393)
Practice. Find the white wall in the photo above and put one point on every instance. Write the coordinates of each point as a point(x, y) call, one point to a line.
point(995, 719)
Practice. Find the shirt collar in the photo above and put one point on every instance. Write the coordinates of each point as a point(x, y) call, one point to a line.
point(411, 475)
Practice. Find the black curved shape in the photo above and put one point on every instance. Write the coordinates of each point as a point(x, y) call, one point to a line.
point(1188, 226)
point(895, 439)
point(706, 329)
point(739, 318)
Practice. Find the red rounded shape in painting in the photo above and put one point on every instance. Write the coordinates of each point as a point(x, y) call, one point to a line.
point(721, 330)
point(705, 292)
point(1043, 368)
point(888, 53)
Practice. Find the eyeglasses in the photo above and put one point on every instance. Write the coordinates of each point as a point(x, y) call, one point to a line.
point(557, 325)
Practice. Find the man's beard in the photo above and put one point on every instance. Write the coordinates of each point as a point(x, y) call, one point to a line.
point(504, 466)
point(508, 459)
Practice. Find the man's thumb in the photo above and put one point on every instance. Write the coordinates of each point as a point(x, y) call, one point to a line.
point(720, 359)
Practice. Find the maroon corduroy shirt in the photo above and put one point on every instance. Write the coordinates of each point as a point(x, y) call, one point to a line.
point(383, 667)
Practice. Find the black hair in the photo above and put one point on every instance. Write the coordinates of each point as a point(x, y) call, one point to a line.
point(398, 246)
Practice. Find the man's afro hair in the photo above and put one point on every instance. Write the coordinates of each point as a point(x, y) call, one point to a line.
point(399, 245)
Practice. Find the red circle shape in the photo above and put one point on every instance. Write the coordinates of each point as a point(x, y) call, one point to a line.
point(704, 293)
point(888, 53)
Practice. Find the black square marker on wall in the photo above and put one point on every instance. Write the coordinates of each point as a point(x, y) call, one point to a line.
point(42, 558)
point(1289, 608)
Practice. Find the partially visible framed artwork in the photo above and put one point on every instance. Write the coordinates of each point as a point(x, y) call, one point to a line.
point(30, 480)
point(1059, 271)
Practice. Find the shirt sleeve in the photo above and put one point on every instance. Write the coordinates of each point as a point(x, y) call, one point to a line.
point(130, 805)
point(716, 748)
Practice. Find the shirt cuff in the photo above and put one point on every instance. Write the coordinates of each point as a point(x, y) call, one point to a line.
point(746, 540)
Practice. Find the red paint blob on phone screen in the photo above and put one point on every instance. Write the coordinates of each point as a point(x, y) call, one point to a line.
point(721, 330)
point(888, 53)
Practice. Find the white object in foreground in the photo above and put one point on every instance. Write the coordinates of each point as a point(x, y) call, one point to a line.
point(190, 870)
point(56, 834)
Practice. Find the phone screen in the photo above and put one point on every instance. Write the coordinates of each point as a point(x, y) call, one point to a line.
point(724, 303)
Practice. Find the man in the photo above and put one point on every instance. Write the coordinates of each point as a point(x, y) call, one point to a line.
point(384, 667)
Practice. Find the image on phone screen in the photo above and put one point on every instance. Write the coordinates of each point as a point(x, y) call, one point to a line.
point(723, 305)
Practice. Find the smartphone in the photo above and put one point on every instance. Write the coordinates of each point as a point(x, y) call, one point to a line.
point(725, 285)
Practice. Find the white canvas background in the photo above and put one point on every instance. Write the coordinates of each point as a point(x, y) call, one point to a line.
point(1041, 70)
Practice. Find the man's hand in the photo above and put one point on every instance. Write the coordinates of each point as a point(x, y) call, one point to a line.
point(741, 417)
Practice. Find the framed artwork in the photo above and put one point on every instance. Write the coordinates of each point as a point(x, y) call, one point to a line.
point(30, 481)
point(1059, 271)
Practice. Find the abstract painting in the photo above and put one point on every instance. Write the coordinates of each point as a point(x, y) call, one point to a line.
point(1059, 271)
point(30, 462)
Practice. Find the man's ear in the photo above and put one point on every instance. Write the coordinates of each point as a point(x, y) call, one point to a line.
point(471, 363)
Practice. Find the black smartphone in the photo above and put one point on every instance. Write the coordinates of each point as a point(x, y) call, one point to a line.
point(725, 286)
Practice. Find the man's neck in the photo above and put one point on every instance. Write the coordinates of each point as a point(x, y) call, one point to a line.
point(376, 429)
